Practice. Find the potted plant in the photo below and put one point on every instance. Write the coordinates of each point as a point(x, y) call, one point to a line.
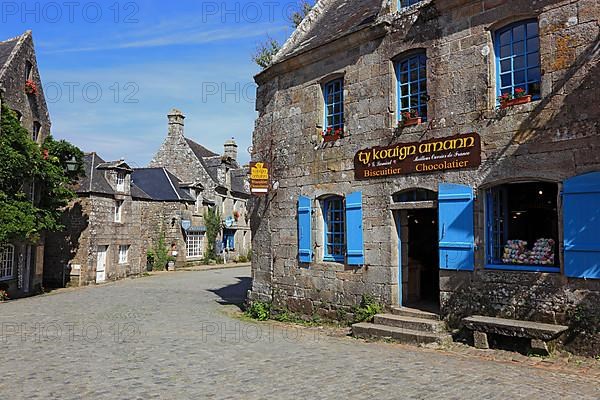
point(410, 118)
point(3, 296)
point(519, 97)
point(30, 87)
point(331, 135)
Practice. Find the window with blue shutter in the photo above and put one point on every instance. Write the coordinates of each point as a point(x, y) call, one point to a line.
point(305, 250)
point(581, 212)
point(334, 229)
point(354, 229)
point(457, 240)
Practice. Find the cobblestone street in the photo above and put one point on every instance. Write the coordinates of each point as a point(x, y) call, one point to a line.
point(167, 337)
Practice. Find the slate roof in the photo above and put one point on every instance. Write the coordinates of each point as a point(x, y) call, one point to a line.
point(238, 177)
point(199, 150)
point(94, 180)
point(329, 20)
point(6, 49)
point(159, 184)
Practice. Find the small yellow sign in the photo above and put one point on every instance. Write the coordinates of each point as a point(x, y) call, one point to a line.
point(259, 178)
point(259, 172)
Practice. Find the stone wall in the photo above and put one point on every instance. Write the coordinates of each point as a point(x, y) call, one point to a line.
point(552, 139)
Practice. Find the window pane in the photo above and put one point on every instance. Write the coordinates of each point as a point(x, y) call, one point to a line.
point(533, 74)
point(534, 89)
point(506, 80)
point(533, 44)
point(533, 59)
point(518, 47)
point(404, 77)
point(414, 88)
point(532, 29)
point(505, 65)
point(505, 38)
point(519, 33)
point(519, 77)
point(404, 103)
point(505, 51)
point(404, 90)
point(519, 62)
point(414, 75)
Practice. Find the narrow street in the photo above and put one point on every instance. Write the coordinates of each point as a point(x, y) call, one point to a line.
point(169, 337)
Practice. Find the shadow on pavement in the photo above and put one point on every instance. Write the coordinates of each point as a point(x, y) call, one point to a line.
point(234, 294)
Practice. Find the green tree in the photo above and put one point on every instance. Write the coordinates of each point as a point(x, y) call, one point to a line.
point(24, 163)
point(214, 226)
point(266, 51)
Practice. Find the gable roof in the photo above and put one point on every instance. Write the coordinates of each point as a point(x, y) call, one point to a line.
point(159, 184)
point(94, 181)
point(8, 50)
point(199, 150)
point(328, 21)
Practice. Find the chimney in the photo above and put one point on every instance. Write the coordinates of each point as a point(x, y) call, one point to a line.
point(231, 149)
point(176, 118)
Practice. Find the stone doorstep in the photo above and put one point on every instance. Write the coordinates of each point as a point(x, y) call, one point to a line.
point(414, 313)
point(514, 328)
point(417, 324)
point(369, 330)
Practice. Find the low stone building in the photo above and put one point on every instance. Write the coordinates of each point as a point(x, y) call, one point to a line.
point(224, 181)
point(435, 154)
point(118, 216)
point(22, 264)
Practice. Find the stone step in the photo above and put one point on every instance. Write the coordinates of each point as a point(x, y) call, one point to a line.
point(414, 313)
point(369, 330)
point(411, 323)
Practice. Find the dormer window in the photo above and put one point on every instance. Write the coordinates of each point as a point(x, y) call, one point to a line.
point(120, 181)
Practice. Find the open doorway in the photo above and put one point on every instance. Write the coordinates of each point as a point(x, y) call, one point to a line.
point(422, 259)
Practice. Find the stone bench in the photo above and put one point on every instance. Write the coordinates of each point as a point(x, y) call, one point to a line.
point(539, 333)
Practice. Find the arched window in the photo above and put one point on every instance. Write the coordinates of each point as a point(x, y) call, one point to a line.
point(518, 58)
point(414, 195)
point(333, 93)
point(411, 75)
point(334, 224)
point(7, 259)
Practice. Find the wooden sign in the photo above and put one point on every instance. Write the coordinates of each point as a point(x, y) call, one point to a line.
point(259, 178)
point(441, 154)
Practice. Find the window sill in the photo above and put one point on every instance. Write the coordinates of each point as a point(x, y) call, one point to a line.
point(8, 278)
point(524, 268)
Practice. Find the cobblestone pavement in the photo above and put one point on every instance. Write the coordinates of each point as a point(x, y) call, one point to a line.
point(166, 337)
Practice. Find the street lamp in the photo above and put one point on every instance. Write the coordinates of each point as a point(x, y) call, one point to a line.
point(72, 164)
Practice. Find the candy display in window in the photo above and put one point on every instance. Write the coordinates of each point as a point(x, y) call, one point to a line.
point(516, 252)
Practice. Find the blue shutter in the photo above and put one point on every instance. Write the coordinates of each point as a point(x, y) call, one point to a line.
point(354, 229)
point(457, 241)
point(304, 230)
point(581, 212)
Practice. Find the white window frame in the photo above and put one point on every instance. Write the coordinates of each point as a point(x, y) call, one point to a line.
point(194, 243)
point(7, 262)
point(119, 211)
point(123, 254)
point(121, 181)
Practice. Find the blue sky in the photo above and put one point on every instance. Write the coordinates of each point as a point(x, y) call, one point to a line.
point(111, 76)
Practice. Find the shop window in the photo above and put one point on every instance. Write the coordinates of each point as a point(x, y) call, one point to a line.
point(229, 239)
point(7, 259)
point(194, 243)
point(522, 226)
point(334, 104)
point(518, 58)
point(123, 254)
point(411, 75)
point(334, 228)
point(414, 195)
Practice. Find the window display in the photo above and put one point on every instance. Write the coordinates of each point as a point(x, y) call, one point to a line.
point(522, 221)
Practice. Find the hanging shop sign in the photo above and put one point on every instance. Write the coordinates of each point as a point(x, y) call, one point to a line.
point(259, 178)
point(441, 154)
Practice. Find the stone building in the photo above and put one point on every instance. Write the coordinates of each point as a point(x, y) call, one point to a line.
point(22, 264)
point(223, 180)
point(399, 173)
point(119, 214)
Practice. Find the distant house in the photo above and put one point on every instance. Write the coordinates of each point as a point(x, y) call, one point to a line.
point(21, 263)
point(223, 179)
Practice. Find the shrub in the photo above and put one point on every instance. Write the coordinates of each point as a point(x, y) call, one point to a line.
point(367, 309)
point(259, 310)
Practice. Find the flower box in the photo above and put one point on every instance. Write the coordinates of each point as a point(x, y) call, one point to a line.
point(331, 136)
point(411, 121)
point(516, 101)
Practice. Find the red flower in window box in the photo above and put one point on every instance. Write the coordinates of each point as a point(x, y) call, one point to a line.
point(31, 87)
point(519, 97)
point(410, 118)
point(331, 135)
